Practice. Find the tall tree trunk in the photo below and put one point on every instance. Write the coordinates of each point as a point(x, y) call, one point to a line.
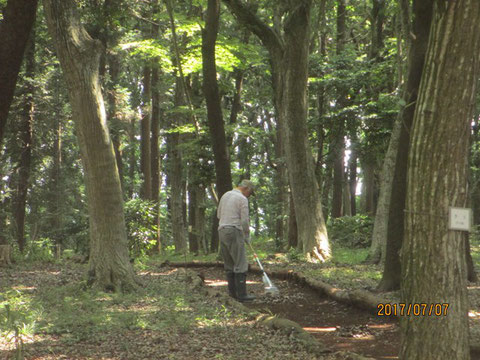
point(175, 176)
point(352, 182)
point(199, 227)
point(17, 22)
point(155, 127)
point(289, 61)
point(421, 27)
point(145, 158)
point(26, 138)
point(433, 257)
point(338, 143)
point(56, 186)
point(79, 57)
point(212, 97)
point(369, 185)
point(214, 110)
point(312, 232)
point(114, 71)
point(132, 159)
point(193, 242)
point(377, 250)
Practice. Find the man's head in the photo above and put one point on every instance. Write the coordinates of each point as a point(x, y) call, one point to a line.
point(246, 187)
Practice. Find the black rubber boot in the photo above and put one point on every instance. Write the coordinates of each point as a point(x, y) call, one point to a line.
point(231, 284)
point(241, 287)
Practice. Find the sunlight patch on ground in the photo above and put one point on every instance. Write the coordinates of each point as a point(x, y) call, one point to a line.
point(24, 288)
point(217, 283)
point(320, 329)
point(381, 326)
point(474, 314)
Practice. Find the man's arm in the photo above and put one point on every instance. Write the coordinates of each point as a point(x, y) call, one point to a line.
point(244, 218)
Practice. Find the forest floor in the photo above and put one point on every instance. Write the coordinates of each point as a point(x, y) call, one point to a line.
point(177, 316)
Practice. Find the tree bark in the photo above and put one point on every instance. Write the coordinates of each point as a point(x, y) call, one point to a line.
point(155, 128)
point(216, 125)
point(369, 185)
point(145, 158)
point(289, 61)
point(5, 255)
point(26, 138)
point(109, 266)
point(338, 143)
point(421, 27)
point(376, 253)
point(17, 22)
point(214, 110)
point(175, 175)
point(114, 71)
point(292, 226)
point(433, 257)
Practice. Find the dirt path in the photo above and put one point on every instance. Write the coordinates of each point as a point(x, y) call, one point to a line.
point(339, 327)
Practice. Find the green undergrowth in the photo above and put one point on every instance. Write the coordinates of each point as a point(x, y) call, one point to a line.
point(169, 318)
point(345, 269)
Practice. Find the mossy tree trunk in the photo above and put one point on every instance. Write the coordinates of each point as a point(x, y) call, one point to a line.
point(79, 54)
point(433, 257)
point(289, 52)
point(422, 11)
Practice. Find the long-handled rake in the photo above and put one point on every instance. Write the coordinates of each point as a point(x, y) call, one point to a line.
point(269, 287)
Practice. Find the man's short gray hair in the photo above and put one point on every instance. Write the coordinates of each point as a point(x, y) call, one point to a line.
point(247, 184)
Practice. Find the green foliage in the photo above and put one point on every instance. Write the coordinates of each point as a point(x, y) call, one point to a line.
point(141, 218)
point(40, 250)
point(351, 231)
point(18, 318)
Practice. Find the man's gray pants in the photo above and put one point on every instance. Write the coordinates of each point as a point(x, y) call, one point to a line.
point(232, 249)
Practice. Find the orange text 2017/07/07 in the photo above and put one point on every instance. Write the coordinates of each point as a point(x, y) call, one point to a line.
point(417, 309)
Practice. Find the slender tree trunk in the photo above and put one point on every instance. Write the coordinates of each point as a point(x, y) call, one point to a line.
point(377, 250)
point(338, 144)
point(212, 97)
point(145, 158)
point(155, 127)
point(26, 138)
point(192, 216)
point(199, 228)
point(352, 183)
point(132, 159)
point(214, 110)
point(15, 27)
point(79, 57)
point(421, 27)
point(56, 186)
point(281, 182)
point(433, 257)
point(369, 186)
point(175, 176)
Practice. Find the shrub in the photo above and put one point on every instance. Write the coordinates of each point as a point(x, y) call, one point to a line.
point(351, 231)
point(141, 222)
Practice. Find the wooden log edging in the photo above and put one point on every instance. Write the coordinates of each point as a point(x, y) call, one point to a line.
point(357, 298)
point(274, 322)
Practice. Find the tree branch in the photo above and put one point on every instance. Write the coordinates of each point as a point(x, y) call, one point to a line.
point(269, 37)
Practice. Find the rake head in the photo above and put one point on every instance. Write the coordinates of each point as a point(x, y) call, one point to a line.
point(270, 289)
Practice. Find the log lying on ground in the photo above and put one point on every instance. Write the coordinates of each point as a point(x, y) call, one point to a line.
point(358, 298)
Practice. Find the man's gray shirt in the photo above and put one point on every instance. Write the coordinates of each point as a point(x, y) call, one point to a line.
point(233, 211)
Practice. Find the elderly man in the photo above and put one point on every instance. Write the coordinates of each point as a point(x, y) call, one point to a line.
point(234, 232)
